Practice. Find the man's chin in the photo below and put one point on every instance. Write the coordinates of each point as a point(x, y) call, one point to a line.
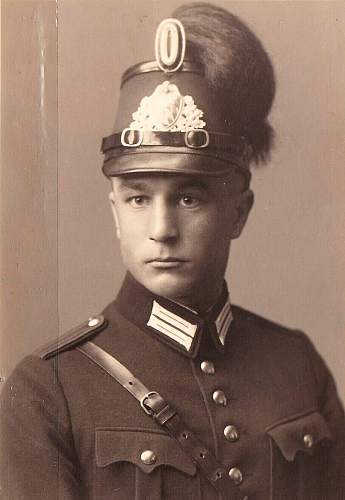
point(174, 287)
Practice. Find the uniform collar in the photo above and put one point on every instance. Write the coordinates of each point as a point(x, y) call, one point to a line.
point(171, 323)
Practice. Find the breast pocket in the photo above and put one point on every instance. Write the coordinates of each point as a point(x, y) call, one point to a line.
point(142, 464)
point(298, 456)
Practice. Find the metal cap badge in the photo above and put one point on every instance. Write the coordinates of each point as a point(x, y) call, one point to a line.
point(170, 45)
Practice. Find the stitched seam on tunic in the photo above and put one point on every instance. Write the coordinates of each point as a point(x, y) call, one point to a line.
point(199, 488)
point(292, 418)
point(308, 348)
point(56, 368)
point(271, 469)
point(213, 429)
point(116, 428)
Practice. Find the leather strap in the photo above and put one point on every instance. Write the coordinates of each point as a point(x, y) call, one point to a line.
point(115, 369)
point(156, 406)
point(152, 66)
point(193, 139)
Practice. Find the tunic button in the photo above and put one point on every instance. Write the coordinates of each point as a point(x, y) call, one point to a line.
point(236, 475)
point(308, 440)
point(208, 367)
point(148, 457)
point(231, 433)
point(219, 398)
point(93, 322)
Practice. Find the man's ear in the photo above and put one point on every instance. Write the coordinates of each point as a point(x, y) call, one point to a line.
point(244, 205)
point(113, 209)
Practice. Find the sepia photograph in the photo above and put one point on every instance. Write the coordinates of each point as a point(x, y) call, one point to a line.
point(172, 250)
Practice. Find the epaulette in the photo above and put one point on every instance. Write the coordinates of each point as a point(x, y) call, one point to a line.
point(73, 337)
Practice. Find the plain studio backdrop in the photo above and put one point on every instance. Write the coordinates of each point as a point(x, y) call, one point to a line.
point(60, 261)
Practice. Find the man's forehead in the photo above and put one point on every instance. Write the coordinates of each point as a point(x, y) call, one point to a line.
point(175, 181)
point(147, 179)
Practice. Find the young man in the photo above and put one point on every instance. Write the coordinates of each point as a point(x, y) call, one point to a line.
point(173, 392)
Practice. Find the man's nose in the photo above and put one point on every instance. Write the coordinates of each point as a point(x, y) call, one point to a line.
point(163, 223)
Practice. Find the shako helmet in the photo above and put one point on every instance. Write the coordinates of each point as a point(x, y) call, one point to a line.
point(201, 106)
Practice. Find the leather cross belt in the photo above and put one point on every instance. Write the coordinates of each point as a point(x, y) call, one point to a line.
point(155, 406)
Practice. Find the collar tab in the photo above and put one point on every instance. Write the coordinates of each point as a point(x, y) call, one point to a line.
point(171, 323)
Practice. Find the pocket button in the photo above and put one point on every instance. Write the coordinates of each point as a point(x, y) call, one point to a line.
point(308, 440)
point(148, 457)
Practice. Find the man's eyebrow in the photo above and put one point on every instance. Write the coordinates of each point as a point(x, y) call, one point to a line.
point(193, 183)
point(133, 184)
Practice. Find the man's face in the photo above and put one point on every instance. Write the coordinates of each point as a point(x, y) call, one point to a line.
point(175, 232)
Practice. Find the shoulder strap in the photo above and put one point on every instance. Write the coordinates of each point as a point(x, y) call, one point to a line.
point(156, 407)
point(73, 337)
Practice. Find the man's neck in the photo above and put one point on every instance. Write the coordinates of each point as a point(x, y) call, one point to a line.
point(200, 303)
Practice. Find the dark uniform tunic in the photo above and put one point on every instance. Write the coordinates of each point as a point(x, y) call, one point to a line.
point(265, 404)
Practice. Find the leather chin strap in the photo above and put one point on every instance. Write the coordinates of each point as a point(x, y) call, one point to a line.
point(156, 407)
point(193, 139)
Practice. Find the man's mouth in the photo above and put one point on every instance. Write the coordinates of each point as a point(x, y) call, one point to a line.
point(166, 262)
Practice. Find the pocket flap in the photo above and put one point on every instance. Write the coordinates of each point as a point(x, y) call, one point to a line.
point(129, 445)
point(300, 433)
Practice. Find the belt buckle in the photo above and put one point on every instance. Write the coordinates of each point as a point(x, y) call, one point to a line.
point(142, 402)
point(197, 132)
point(131, 137)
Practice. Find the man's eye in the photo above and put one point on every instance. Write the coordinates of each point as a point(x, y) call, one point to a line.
point(137, 201)
point(189, 201)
